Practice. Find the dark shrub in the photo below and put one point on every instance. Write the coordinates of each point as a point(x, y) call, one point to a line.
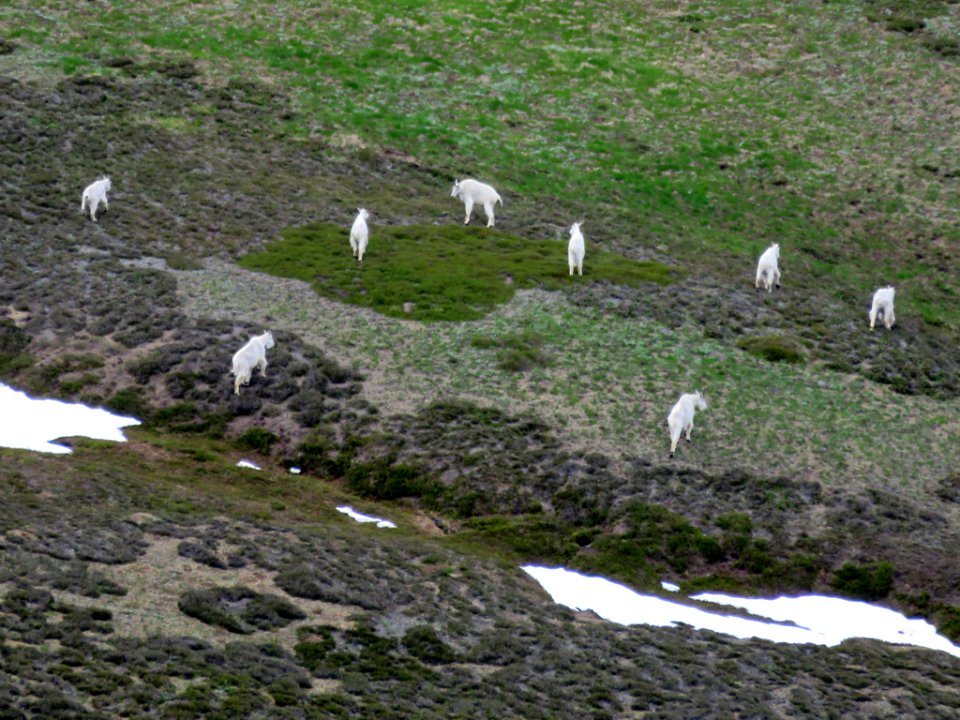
point(239, 609)
point(257, 440)
point(905, 24)
point(424, 644)
point(13, 343)
point(385, 480)
point(129, 401)
point(870, 581)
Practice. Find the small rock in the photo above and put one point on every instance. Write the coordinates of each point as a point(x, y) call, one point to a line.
point(143, 518)
point(408, 307)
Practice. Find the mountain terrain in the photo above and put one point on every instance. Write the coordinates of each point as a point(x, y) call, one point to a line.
point(459, 382)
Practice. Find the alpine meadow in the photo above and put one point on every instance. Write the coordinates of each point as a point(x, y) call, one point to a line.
point(464, 381)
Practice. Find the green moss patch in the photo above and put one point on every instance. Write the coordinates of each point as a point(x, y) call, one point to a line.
point(775, 348)
point(434, 272)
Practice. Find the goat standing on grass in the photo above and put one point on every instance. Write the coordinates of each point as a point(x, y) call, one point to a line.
point(94, 194)
point(575, 249)
point(359, 234)
point(767, 272)
point(680, 418)
point(473, 191)
point(251, 355)
point(883, 305)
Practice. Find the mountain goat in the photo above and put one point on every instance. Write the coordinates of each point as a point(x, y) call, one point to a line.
point(359, 234)
point(680, 418)
point(575, 249)
point(94, 194)
point(883, 305)
point(473, 191)
point(253, 354)
point(767, 272)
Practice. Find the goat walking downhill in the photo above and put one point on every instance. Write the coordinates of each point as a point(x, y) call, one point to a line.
point(251, 355)
point(767, 272)
point(359, 234)
point(94, 194)
point(883, 305)
point(473, 191)
point(575, 249)
point(680, 418)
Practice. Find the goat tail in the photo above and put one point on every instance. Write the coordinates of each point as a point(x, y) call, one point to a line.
point(500, 200)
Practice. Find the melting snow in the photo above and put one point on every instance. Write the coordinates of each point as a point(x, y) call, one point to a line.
point(818, 619)
point(360, 517)
point(30, 424)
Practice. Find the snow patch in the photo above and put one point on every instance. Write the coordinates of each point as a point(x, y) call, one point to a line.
point(30, 424)
point(360, 517)
point(814, 619)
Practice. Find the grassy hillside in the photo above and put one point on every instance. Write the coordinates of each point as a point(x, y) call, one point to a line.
point(459, 381)
point(710, 130)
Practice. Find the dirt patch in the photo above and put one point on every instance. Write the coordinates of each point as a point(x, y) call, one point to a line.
point(156, 580)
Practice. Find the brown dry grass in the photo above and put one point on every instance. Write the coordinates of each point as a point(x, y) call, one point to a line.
point(156, 580)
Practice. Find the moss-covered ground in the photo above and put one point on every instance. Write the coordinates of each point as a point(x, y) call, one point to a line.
point(430, 273)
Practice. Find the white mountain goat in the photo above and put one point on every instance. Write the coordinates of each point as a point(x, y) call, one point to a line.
point(883, 305)
point(473, 191)
point(575, 249)
point(359, 234)
point(680, 418)
point(251, 355)
point(94, 194)
point(767, 272)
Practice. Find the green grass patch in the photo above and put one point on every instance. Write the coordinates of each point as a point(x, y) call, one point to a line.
point(516, 352)
point(433, 272)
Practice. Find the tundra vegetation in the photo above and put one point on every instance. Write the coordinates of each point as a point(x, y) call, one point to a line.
point(457, 381)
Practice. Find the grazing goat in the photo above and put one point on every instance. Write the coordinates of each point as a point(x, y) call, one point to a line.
point(252, 354)
point(575, 249)
point(767, 272)
point(94, 194)
point(883, 305)
point(472, 191)
point(680, 418)
point(359, 234)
